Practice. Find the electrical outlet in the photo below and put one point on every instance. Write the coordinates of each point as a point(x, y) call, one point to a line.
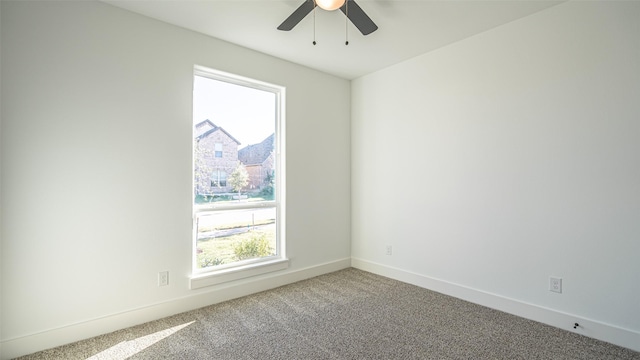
point(555, 284)
point(389, 250)
point(163, 278)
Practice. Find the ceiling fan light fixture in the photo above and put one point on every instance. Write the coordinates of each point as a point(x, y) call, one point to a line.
point(330, 5)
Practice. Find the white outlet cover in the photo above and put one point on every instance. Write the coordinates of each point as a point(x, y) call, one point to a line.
point(555, 284)
point(163, 278)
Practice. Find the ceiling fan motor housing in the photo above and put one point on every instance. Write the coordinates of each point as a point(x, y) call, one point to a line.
point(349, 7)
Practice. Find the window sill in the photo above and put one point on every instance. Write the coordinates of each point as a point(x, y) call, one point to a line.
point(218, 277)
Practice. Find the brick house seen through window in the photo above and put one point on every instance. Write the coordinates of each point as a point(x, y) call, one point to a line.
point(219, 155)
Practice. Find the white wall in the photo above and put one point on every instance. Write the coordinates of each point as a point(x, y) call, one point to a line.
point(0, 187)
point(96, 160)
point(498, 161)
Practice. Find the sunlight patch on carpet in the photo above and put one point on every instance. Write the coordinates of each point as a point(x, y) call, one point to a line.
point(129, 348)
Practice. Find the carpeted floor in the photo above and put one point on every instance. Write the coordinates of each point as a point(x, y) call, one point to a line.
point(349, 314)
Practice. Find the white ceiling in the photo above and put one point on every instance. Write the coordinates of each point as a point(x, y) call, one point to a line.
point(407, 28)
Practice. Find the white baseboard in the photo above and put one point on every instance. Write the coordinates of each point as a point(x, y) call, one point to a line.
point(28, 344)
point(591, 328)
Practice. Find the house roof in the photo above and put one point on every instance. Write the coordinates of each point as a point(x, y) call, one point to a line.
point(202, 133)
point(256, 153)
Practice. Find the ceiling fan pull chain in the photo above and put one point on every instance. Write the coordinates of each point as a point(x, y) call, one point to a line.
point(314, 25)
point(346, 22)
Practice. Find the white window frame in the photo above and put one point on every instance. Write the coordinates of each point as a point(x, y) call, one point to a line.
point(243, 269)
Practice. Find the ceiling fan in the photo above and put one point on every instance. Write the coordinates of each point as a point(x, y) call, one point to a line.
point(349, 7)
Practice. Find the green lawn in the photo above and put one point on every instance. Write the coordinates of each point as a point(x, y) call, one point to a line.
point(217, 251)
point(226, 198)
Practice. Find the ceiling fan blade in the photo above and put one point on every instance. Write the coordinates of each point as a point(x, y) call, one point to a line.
point(358, 17)
point(297, 15)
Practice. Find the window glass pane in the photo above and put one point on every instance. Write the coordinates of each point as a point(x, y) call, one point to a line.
point(225, 237)
point(234, 141)
point(218, 178)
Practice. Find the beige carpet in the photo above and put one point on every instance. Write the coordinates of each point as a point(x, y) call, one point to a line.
point(349, 314)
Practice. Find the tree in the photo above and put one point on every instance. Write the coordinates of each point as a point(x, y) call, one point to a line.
point(202, 171)
point(239, 178)
point(269, 183)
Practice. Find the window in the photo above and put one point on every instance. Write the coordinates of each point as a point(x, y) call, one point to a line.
point(238, 215)
point(219, 178)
